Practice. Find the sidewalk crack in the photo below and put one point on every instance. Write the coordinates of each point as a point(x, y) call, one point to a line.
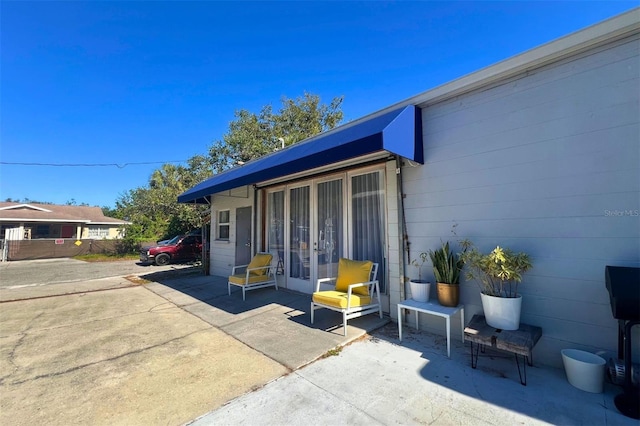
point(117, 357)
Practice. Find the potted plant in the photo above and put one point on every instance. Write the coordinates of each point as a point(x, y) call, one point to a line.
point(498, 274)
point(447, 267)
point(420, 288)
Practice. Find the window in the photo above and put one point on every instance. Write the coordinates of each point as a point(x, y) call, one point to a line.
point(98, 232)
point(223, 224)
point(42, 231)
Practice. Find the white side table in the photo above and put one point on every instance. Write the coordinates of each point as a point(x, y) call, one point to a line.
point(432, 308)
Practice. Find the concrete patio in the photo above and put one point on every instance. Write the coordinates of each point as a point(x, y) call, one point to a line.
point(378, 379)
point(177, 349)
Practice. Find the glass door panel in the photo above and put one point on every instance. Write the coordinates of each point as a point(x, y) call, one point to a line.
point(275, 229)
point(367, 221)
point(299, 247)
point(329, 246)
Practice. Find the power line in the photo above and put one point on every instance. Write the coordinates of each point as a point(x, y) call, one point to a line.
point(120, 166)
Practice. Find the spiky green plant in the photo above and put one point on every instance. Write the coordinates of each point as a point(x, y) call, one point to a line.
point(447, 265)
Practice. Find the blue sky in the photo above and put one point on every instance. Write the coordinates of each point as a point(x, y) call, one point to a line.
point(130, 82)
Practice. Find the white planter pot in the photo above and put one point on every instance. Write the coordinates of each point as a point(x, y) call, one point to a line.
point(584, 370)
point(420, 290)
point(502, 312)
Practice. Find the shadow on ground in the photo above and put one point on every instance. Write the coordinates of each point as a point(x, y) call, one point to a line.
point(275, 322)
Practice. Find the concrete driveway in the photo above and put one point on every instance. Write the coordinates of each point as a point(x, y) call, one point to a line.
point(46, 272)
point(163, 350)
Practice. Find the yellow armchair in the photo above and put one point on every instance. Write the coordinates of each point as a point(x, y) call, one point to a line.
point(356, 292)
point(257, 274)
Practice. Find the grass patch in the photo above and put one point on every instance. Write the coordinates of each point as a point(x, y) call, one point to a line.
point(101, 257)
point(137, 280)
point(333, 352)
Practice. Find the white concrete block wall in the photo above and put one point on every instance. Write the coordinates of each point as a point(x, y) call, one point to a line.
point(223, 253)
point(548, 163)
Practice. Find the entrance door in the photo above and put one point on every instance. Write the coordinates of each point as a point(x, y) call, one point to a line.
point(299, 247)
point(66, 231)
point(243, 235)
point(329, 222)
point(316, 233)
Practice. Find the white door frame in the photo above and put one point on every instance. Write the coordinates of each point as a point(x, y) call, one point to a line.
point(307, 286)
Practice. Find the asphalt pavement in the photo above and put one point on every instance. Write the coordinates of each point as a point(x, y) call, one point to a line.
point(161, 347)
point(16, 274)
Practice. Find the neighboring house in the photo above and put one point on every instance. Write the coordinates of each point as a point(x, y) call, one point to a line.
point(26, 221)
point(539, 153)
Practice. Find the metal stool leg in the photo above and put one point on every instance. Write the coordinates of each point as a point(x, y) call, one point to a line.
point(525, 360)
point(474, 360)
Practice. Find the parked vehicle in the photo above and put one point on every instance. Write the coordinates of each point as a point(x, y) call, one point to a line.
point(181, 248)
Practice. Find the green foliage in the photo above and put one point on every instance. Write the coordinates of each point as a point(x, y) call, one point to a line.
point(26, 201)
point(130, 244)
point(73, 202)
point(108, 211)
point(499, 272)
point(252, 135)
point(418, 262)
point(154, 209)
point(447, 265)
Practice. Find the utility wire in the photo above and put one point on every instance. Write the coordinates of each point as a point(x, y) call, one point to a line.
point(120, 166)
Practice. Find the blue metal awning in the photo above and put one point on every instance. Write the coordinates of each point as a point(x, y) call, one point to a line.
point(397, 132)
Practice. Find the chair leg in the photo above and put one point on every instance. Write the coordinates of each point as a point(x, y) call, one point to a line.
point(243, 293)
point(344, 320)
point(312, 306)
point(229, 288)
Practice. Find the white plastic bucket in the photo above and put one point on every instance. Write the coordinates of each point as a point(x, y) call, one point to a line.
point(585, 370)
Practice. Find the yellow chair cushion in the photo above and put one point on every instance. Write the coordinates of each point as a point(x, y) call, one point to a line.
point(338, 299)
point(260, 261)
point(241, 279)
point(353, 272)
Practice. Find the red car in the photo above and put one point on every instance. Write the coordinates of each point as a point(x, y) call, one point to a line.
point(182, 248)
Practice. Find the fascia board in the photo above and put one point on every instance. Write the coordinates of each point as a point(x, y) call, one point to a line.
point(17, 219)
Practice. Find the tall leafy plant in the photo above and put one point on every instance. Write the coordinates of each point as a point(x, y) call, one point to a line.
point(498, 272)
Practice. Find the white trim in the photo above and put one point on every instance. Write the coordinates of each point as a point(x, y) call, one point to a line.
point(109, 223)
point(19, 206)
point(17, 219)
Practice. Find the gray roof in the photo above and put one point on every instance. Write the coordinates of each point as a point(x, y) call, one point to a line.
point(35, 212)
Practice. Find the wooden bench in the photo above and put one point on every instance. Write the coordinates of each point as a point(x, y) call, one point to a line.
point(518, 342)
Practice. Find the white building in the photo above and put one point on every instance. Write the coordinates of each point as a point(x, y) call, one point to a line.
point(539, 153)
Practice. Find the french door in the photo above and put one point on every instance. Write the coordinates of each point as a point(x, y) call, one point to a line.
point(329, 219)
point(298, 240)
point(312, 224)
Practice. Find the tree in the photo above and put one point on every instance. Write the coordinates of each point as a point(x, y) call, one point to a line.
point(154, 209)
point(252, 135)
